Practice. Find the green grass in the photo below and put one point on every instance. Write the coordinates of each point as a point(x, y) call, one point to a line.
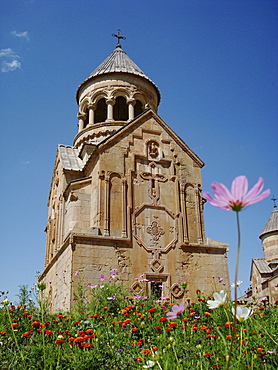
point(134, 333)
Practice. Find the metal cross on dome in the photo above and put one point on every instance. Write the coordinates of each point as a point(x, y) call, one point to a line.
point(119, 37)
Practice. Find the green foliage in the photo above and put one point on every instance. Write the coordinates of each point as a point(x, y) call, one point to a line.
point(133, 332)
point(25, 297)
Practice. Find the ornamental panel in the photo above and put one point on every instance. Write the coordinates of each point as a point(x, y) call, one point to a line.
point(155, 228)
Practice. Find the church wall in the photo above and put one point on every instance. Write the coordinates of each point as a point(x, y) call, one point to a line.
point(77, 208)
point(273, 289)
point(201, 268)
point(256, 282)
point(269, 244)
point(58, 282)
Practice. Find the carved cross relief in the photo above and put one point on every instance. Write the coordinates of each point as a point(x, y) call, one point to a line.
point(150, 229)
point(154, 177)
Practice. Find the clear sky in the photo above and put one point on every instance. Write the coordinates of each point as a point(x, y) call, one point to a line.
point(215, 63)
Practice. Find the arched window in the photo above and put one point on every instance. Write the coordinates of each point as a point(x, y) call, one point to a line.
point(138, 108)
point(101, 111)
point(86, 118)
point(120, 109)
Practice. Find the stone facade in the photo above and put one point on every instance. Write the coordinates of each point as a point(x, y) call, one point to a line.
point(127, 196)
point(264, 271)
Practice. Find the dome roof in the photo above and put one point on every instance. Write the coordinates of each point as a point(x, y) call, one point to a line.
point(272, 223)
point(118, 62)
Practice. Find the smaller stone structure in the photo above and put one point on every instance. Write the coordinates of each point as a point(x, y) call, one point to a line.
point(264, 271)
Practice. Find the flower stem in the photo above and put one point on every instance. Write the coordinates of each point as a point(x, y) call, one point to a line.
point(235, 294)
point(14, 337)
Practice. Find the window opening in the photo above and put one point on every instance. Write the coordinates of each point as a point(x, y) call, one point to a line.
point(101, 111)
point(120, 109)
point(86, 118)
point(138, 108)
point(156, 289)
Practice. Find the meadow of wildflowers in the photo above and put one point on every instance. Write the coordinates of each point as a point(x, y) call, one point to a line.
point(113, 329)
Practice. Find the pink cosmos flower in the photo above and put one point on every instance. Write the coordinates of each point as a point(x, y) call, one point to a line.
point(176, 310)
point(239, 196)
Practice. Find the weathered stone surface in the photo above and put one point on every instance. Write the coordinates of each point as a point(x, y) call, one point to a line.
point(131, 200)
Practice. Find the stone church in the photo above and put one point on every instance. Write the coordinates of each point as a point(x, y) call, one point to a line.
point(264, 271)
point(127, 196)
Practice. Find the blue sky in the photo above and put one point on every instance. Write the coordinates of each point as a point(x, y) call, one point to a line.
point(215, 63)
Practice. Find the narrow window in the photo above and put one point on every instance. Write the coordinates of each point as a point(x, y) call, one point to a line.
point(120, 109)
point(86, 118)
point(101, 111)
point(138, 108)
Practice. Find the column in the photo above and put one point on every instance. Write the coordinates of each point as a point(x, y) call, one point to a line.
point(131, 103)
point(198, 215)
point(110, 102)
point(184, 213)
point(106, 207)
point(91, 114)
point(124, 209)
point(81, 122)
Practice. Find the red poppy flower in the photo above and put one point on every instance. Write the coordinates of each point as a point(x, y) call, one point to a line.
point(146, 351)
point(172, 324)
point(207, 313)
point(78, 340)
point(59, 341)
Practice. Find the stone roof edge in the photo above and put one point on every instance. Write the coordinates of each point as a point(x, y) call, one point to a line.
point(113, 73)
point(166, 127)
point(53, 173)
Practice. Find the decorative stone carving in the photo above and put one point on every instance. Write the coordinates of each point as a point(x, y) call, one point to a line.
point(153, 149)
point(156, 265)
point(176, 290)
point(152, 235)
point(123, 260)
point(155, 230)
point(137, 288)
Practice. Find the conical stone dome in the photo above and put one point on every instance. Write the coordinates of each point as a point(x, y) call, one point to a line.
point(114, 93)
point(118, 61)
point(272, 223)
point(269, 237)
